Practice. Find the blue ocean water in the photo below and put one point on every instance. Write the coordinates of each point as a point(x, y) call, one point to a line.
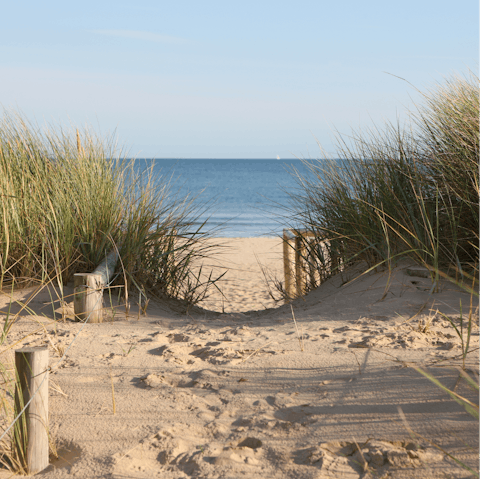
point(244, 192)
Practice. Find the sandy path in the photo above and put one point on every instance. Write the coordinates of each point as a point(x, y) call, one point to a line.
point(244, 285)
point(209, 395)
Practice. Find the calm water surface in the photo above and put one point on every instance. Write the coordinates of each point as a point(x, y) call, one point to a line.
point(244, 191)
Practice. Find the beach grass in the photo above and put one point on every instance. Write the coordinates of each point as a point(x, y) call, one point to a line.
point(403, 192)
point(68, 197)
point(400, 191)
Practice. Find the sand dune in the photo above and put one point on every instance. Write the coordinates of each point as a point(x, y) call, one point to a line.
point(246, 394)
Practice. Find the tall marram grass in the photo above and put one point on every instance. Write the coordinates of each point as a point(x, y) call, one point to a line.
point(404, 191)
point(401, 190)
point(66, 197)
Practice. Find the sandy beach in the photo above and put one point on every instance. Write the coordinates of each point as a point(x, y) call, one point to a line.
point(247, 393)
point(244, 286)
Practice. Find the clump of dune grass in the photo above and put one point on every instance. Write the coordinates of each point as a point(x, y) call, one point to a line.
point(403, 191)
point(400, 190)
point(68, 197)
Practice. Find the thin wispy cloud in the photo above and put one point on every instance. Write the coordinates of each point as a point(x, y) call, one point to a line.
point(139, 35)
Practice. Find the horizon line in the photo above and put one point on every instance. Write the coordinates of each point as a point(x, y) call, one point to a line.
point(211, 158)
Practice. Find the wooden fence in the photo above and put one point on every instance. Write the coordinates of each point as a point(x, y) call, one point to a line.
point(302, 269)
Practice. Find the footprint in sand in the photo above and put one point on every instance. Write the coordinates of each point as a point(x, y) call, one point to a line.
point(67, 454)
point(182, 452)
point(345, 459)
point(281, 400)
point(213, 352)
point(247, 452)
point(109, 356)
point(178, 338)
point(261, 404)
point(408, 338)
point(164, 449)
point(204, 379)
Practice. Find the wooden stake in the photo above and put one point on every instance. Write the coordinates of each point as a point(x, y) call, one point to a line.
point(312, 270)
point(299, 268)
point(287, 266)
point(31, 430)
point(88, 296)
point(296, 288)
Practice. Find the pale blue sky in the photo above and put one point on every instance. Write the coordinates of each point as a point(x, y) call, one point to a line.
point(228, 79)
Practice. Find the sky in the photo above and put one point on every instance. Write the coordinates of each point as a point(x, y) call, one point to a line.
point(229, 78)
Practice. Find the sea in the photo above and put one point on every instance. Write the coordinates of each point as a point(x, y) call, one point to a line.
point(245, 197)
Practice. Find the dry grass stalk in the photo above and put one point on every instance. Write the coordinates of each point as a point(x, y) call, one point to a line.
point(364, 462)
point(300, 337)
point(258, 350)
point(113, 393)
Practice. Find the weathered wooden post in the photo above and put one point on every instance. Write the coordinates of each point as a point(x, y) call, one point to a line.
point(287, 265)
point(88, 297)
point(295, 287)
point(299, 259)
point(312, 262)
point(31, 430)
point(88, 289)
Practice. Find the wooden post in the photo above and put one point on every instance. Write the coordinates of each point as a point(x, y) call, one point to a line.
point(88, 296)
point(299, 268)
point(31, 430)
point(295, 287)
point(309, 260)
point(287, 266)
point(88, 289)
point(334, 262)
point(312, 271)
